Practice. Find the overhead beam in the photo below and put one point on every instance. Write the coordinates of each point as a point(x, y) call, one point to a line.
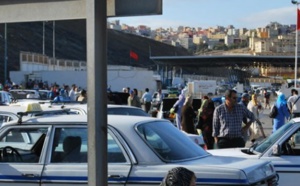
point(13, 11)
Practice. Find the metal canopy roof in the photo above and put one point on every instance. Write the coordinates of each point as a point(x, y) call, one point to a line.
point(13, 11)
point(224, 60)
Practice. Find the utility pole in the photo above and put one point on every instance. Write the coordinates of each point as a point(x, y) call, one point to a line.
point(43, 37)
point(54, 44)
point(5, 52)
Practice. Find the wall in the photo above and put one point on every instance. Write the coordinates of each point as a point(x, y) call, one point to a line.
point(117, 79)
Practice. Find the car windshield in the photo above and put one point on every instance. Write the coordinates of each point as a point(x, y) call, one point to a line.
point(126, 111)
point(169, 143)
point(268, 142)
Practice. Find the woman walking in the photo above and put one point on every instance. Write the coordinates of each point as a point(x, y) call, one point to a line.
point(205, 117)
point(188, 116)
point(256, 130)
point(282, 113)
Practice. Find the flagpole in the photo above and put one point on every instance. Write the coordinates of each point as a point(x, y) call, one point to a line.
point(296, 51)
point(296, 44)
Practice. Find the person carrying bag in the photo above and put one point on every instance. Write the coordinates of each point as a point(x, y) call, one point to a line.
point(256, 129)
point(293, 104)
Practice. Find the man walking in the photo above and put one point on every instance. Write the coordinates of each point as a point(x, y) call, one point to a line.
point(146, 99)
point(293, 104)
point(227, 122)
point(244, 101)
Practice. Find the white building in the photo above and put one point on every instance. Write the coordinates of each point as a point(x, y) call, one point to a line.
point(39, 67)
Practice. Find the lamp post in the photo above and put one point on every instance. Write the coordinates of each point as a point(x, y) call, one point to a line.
point(54, 44)
point(5, 52)
point(296, 45)
point(43, 37)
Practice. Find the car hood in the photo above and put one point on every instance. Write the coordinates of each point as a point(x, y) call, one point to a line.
point(233, 168)
point(235, 152)
point(238, 163)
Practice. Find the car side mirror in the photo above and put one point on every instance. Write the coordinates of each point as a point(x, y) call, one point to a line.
point(276, 150)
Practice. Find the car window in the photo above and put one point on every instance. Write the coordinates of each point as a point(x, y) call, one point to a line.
point(292, 144)
point(114, 152)
point(70, 146)
point(168, 142)
point(5, 118)
point(126, 111)
point(22, 144)
point(266, 144)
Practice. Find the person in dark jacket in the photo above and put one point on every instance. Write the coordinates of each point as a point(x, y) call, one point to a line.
point(188, 116)
point(205, 117)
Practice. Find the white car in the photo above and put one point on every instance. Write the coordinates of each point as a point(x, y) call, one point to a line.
point(25, 94)
point(120, 110)
point(5, 98)
point(282, 148)
point(141, 150)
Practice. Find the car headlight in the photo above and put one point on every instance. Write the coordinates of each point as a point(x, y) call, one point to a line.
point(261, 173)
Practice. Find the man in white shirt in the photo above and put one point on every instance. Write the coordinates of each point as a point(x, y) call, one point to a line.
point(293, 104)
point(72, 93)
point(146, 99)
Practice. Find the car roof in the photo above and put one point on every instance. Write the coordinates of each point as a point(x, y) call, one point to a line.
point(25, 90)
point(115, 120)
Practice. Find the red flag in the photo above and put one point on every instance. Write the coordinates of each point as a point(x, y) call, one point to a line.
point(134, 55)
point(298, 19)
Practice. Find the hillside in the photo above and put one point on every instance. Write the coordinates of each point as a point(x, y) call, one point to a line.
point(70, 43)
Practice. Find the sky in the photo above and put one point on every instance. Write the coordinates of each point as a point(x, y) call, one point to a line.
point(211, 13)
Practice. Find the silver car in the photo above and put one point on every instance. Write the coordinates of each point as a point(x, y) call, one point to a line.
point(53, 150)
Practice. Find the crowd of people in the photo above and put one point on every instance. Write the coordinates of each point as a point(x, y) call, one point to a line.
point(145, 101)
point(56, 92)
point(229, 125)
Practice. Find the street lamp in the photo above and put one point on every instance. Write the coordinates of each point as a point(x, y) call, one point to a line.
point(5, 52)
point(296, 45)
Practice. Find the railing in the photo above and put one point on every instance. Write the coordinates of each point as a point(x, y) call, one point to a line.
point(33, 61)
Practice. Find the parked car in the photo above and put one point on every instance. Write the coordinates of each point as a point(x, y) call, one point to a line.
point(44, 94)
point(48, 108)
point(217, 100)
point(5, 98)
point(25, 94)
point(7, 117)
point(221, 99)
point(140, 151)
point(282, 148)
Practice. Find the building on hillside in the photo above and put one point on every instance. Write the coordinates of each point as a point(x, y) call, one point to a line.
point(229, 40)
point(115, 25)
point(212, 43)
point(232, 32)
point(186, 42)
point(262, 46)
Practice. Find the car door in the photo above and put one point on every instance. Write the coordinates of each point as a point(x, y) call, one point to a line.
point(119, 163)
point(287, 164)
point(66, 166)
point(21, 150)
